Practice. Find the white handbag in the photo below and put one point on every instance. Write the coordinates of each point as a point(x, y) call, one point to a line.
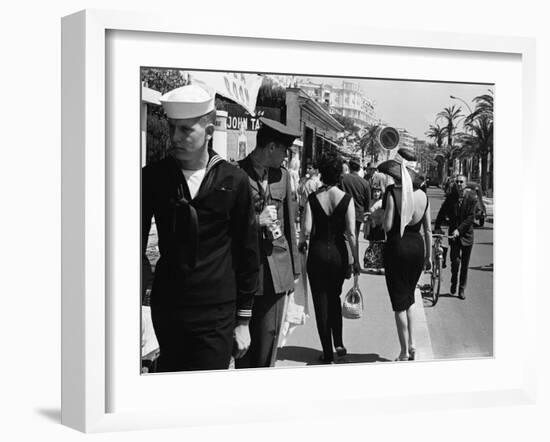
point(352, 306)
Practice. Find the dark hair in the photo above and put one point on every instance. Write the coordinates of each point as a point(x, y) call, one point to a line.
point(209, 118)
point(330, 167)
point(354, 166)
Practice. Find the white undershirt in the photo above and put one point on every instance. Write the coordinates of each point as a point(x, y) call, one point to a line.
point(194, 179)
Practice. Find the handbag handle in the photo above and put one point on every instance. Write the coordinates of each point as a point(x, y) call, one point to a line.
point(356, 286)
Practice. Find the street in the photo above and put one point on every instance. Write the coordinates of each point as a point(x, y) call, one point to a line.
point(464, 328)
point(453, 328)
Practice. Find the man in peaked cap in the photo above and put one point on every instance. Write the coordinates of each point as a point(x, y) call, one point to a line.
point(279, 260)
point(207, 274)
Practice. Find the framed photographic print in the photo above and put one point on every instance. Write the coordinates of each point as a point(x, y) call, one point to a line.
point(459, 104)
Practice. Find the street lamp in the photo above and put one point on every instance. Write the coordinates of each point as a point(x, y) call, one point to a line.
point(466, 104)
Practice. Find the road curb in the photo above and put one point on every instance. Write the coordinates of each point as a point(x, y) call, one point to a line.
point(424, 351)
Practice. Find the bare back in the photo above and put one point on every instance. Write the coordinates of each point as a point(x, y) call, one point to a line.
point(420, 200)
point(329, 199)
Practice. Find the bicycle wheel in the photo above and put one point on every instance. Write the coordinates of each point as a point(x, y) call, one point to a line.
point(436, 281)
point(432, 283)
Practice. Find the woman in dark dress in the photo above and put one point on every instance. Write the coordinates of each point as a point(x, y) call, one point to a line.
point(329, 215)
point(406, 210)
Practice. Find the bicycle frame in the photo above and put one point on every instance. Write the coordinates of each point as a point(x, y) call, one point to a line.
point(437, 261)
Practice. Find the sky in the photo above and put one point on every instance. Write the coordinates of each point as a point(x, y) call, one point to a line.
point(413, 105)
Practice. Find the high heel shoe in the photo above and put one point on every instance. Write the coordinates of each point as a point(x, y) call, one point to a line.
point(324, 360)
point(402, 358)
point(341, 350)
point(412, 353)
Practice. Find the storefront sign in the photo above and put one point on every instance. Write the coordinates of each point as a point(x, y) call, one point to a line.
point(237, 117)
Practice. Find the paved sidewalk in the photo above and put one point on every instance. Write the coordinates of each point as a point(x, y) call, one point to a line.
point(372, 338)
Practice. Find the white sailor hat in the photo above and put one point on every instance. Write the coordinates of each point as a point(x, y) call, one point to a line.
point(185, 102)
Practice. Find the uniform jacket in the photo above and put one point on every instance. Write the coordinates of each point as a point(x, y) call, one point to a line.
point(460, 216)
point(278, 257)
point(208, 245)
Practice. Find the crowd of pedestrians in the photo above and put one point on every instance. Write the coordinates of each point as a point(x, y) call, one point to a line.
point(230, 238)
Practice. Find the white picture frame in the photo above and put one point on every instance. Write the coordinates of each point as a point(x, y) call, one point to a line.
point(86, 216)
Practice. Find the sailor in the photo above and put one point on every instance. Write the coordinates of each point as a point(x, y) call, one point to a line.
point(207, 274)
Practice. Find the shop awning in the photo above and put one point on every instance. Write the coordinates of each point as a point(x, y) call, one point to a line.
point(150, 96)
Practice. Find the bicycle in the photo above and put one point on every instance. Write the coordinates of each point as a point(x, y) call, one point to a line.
point(437, 263)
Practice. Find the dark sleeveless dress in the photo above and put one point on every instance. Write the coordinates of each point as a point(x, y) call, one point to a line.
point(326, 265)
point(403, 258)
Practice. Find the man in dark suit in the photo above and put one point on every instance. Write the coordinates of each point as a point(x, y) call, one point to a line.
point(459, 209)
point(207, 274)
point(359, 190)
point(279, 260)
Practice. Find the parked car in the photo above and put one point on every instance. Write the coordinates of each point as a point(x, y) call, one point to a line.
point(433, 181)
point(481, 211)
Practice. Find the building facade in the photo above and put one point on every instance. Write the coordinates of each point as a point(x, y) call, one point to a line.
point(319, 129)
point(347, 100)
point(405, 138)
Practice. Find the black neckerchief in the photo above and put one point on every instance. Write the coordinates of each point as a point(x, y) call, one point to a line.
point(185, 221)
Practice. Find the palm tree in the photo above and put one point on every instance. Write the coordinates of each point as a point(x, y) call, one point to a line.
point(480, 123)
point(438, 133)
point(482, 140)
point(450, 115)
point(428, 158)
point(369, 143)
point(467, 153)
point(484, 107)
point(271, 94)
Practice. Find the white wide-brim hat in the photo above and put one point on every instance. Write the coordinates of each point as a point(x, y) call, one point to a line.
point(186, 102)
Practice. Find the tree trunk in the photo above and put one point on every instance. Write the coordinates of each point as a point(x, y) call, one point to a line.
point(484, 173)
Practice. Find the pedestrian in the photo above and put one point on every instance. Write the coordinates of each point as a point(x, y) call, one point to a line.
point(374, 233)
point(345, 168)
point(368, 171)
point(459, 209)
point(293, 171)
point(373, 230)
point(207, 274)
point(359, 189)
point(310, 183)
point(330, 215)
point(378, 179)
point(406, 210)
point(279, 260)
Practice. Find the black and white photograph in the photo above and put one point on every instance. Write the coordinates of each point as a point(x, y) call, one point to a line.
point(292, 220)
point(242, 221)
